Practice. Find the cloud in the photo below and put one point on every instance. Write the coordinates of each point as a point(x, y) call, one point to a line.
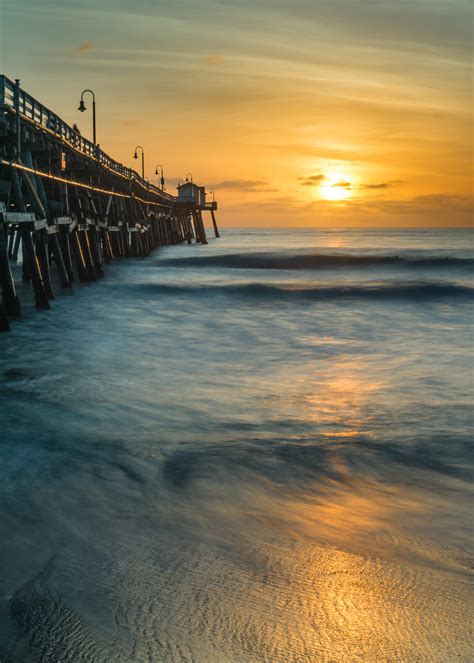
point(213, 59)
point(419, 211)
point(428, 209)
point(342, 184)
point(442, 201)
point(84, 47)
point(312, 180)
point(380, 185)
point(242, 185)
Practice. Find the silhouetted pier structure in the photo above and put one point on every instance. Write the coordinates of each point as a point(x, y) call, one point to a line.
point(67, 208)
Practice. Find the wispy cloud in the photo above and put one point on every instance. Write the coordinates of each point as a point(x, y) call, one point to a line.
point(386, 95)
point(213, 59)
point(315, 180)
point(83, 47)
point(312, 180)
point(380, 185)
point(429, 210)
point(243, 185)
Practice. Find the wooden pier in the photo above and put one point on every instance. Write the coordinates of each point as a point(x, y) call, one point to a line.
point(67, 208)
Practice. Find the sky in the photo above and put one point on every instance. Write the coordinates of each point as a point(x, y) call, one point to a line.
point(296, 112)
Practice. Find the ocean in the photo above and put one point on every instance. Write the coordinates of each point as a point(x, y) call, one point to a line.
point(258, 450)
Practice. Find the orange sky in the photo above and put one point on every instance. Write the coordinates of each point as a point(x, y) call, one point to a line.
point(303, 112)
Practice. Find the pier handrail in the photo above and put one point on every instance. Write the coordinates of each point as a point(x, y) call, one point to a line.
point(38, 114)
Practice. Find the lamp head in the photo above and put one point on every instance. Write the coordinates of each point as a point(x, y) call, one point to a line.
point(82, 107)
point(135, 156)
point(156, 171)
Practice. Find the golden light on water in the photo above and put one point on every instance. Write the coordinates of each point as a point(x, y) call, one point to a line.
point(340, 407)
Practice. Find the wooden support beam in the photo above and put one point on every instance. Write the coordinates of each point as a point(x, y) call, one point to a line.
point(199, 226)
point(59, 262)
point(63, 223)
point(31, 266)
point(4, 323)
point(85, 254)
point(41, 296)
point(214, 223)
point(42, 253)
point(80, 261)
point(10, 301)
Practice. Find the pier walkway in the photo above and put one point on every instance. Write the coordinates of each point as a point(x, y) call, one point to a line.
point(67, 208)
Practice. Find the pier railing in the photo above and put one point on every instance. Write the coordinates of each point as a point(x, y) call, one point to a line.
point(14, 99)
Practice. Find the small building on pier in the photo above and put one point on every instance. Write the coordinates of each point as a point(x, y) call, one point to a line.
point(188, 192)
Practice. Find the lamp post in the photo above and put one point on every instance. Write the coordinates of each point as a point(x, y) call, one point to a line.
point(82, 108)
point(213, 191)
point(162, 180)
point(135, 156)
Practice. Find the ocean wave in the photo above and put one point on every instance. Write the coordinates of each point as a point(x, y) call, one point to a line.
point(312, 261)
point(260, 291)
point(297, 462)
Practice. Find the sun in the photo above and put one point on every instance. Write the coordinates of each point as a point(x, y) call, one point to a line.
point(335, 187)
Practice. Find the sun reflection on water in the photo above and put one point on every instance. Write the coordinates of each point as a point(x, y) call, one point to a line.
point(340, 402)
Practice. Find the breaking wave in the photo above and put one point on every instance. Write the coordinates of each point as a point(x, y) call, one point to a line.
point(405, 290)
point(315, 261)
